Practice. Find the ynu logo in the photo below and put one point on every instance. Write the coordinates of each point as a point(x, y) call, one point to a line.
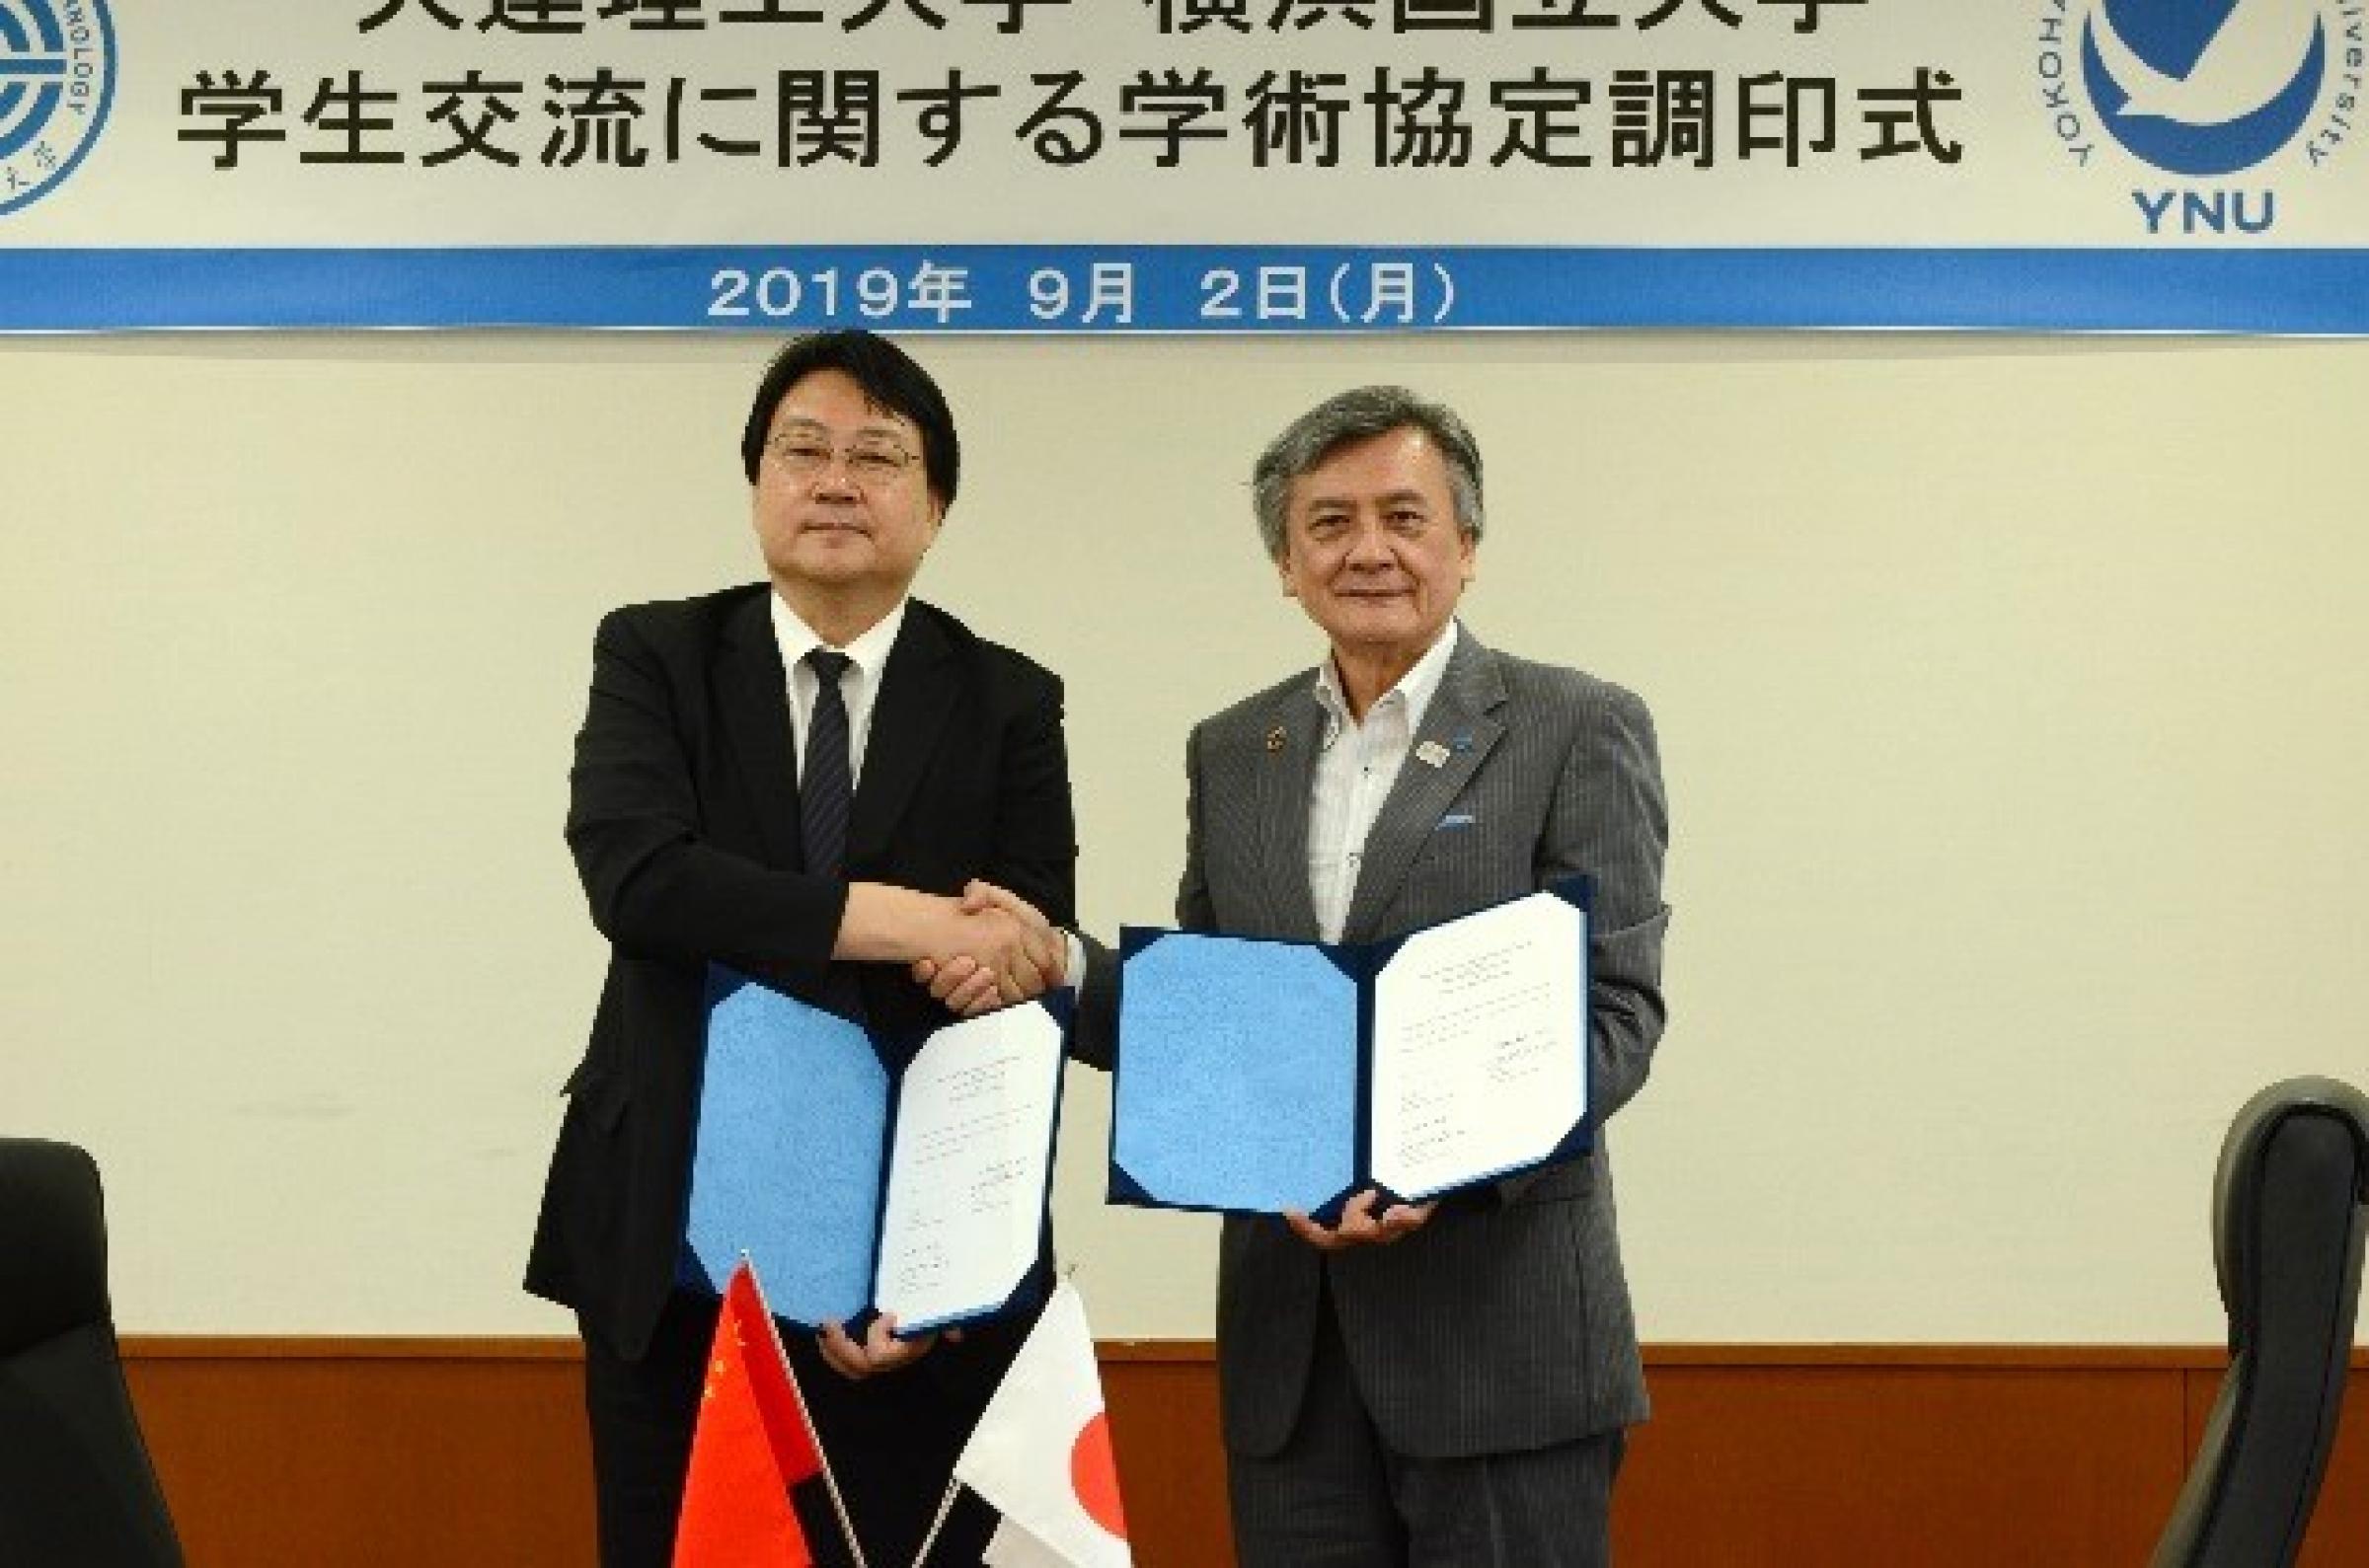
point(2204, 87)
point(57, 80)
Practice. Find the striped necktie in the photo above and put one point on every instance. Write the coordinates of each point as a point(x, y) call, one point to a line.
point(825, 792)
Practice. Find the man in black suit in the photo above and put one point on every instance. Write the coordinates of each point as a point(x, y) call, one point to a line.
point(796, 780)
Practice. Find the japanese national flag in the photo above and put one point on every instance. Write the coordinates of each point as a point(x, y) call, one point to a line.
point(1041, 1454)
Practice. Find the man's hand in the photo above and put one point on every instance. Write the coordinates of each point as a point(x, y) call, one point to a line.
point(880, 1350)
point(1021, 954)
point(971, 981)
point(1358, 1225)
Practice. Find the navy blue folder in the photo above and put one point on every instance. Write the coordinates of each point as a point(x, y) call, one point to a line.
point(1245, 1074)
point(797, 1137)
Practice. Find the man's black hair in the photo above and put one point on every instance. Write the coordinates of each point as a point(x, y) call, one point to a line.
point(889, 377)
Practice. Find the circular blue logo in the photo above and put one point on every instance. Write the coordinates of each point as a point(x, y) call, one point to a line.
point(2204, 87)
point(57, 80)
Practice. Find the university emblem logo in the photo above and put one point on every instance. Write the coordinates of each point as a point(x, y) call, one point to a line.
point(57, 80)
point(2204, 88)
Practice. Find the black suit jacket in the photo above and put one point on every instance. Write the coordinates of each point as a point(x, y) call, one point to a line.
point(683, 819)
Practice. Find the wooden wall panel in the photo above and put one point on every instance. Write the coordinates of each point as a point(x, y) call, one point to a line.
point(345, 1453)
point(1788, 1466)
point(1172, 1466)
point(337, 1458)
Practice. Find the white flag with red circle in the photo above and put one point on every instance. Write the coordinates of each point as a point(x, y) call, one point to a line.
point(1042, 1455)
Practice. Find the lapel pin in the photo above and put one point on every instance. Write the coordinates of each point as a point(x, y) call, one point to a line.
point(1274, 738)
point(1464, 742)
point(1431, 753)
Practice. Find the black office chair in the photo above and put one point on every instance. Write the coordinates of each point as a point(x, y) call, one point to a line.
point(2289, 1200)
point(76, 1486)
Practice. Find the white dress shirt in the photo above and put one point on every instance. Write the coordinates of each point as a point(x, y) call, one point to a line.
point(860, 686)
point(1354, 771)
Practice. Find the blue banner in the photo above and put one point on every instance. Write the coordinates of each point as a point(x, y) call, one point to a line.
point(997, 288)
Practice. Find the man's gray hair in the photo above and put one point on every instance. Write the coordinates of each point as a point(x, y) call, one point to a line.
point(1359, 414)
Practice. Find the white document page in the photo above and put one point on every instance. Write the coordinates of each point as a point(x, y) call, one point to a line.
point(967, 1178)
point(1479, 1046)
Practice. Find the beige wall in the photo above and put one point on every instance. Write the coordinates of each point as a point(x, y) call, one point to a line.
point(2012, 695)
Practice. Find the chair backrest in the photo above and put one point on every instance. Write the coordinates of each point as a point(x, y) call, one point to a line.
point(77, 1489)
point(2289, 1203)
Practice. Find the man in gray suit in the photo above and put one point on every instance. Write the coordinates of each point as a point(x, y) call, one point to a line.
point(1446, 1383)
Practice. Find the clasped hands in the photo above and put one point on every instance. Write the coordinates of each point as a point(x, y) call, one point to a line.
point(998, 949)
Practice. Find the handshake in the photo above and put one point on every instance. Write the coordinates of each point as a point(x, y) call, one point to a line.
point(988, 949)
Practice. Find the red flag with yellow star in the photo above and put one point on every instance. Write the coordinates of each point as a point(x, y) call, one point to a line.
point(751, 1446)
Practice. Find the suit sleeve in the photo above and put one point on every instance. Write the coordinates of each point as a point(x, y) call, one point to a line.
point(657, 890)
point(1095, 1041)
point(1036, 832)
point(1609, 818)
point(1195, 909)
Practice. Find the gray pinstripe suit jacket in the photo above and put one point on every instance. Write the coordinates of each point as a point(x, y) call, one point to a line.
point(1504, 1323)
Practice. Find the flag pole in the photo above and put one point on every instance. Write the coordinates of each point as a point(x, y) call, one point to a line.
point(830, 1482)
point(946, 1506)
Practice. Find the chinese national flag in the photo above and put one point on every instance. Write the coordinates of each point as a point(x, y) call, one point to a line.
point(751, 1446)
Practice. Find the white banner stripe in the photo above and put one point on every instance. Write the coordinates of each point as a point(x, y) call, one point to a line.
point(1184, 165)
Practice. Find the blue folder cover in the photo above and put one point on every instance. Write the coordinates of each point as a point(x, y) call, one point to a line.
point(1244, 1025)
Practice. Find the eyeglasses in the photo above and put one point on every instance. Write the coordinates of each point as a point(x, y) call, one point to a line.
point(869, 461)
